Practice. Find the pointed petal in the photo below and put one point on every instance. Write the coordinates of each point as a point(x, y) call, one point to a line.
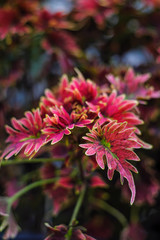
point(99, 158)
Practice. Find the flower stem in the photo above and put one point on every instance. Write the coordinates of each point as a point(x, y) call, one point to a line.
point(111, 210)
point(75, 212)
point(33, 160)
point(28, 188)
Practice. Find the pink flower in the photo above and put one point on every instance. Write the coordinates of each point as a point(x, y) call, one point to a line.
point(117, 108)
point(83, 90)
point(97, 9)
point(25, 134)
point(7, 17)
point(15, 15)
point(47, 20)
point(154, 3)
point(47, 102)
point(116, 143)
point(78, 91)
point(133, 86)
point(60, 124)
point(134, 232)
point(8, 223)
point(59, 232)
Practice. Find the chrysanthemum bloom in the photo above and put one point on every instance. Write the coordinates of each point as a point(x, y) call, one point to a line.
point(78, 91)
point(134, 86)
point(116, 143)
point(116, 108)
point(25, 134)
point(60, 124)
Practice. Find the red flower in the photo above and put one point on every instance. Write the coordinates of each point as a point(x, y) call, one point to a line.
point(134, 86)
point(117, 108)
point(83, 90)
point(47, 20)
point(25, 134)
point(79, 91)
point(60, 124)
point(13, 18)
point(116, 143)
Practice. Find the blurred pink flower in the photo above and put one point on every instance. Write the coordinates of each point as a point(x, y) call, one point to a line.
point(8, 17)
point(154, 3)
point(15, 15)
point(59, 232)
point(133, 232)
point(134, 86)
point(8, 225)
point(99, 10)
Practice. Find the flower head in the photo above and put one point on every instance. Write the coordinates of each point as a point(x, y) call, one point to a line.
point(134, 86)
point(78, 91)
point(25, 134)
point(116, 108)
point(60, 123)
point(115, 142)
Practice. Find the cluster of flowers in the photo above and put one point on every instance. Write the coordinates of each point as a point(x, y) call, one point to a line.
point(87, 125)
point(81, 110)
point(108, 121)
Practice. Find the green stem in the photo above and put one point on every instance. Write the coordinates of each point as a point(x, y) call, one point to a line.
point(75, 212)
point(111, 210)
point(28, 188)
point(33, 160)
